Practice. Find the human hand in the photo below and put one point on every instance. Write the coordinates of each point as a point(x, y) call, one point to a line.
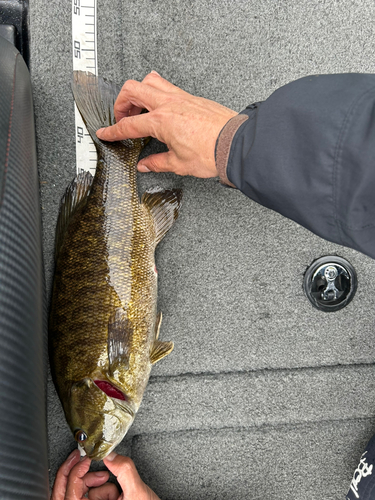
point(133, 488)
point(188, 125)
point(73, 481)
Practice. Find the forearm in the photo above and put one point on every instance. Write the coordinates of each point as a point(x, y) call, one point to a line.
point(308, 152)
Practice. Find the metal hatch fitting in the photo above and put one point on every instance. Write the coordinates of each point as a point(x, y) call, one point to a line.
point(330, 283)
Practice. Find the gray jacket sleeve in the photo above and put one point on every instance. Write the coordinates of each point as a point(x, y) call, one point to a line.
point(308, 152)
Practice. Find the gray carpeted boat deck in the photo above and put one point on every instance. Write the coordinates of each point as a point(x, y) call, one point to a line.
point(263, 397)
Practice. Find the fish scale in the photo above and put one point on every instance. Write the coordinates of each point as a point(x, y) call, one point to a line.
point(103, 322)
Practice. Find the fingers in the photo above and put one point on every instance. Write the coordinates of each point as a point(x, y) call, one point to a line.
point(94, 479)
point(76, 487)
point(153, 79)
point(160, 162)
point(61, 481)
point(73, 479)
point(133, 487)
point(108, 491)
point(132, 127)
point(124, 469)
point(135, 96)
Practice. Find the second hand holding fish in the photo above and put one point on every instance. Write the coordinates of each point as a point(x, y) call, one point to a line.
point(74, 482)
point(187, 124)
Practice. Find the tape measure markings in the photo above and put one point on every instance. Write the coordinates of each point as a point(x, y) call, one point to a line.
point(84, 59)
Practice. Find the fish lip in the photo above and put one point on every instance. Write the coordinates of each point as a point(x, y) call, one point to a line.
point(100, 456)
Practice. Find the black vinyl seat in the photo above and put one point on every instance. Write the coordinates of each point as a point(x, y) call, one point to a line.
point(23, 431)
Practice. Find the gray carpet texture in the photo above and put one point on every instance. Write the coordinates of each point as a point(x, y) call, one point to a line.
point(263, 397)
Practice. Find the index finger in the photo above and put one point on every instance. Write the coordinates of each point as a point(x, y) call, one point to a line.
point(76, 487)
point(59, 488)
point(124, 107)
point(131, 127)
point(139, 95)
point(127, 475)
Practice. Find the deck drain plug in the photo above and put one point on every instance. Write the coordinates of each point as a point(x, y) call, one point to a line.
point(330, 283)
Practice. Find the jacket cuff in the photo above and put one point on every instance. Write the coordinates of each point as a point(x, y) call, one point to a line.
point(223, 145)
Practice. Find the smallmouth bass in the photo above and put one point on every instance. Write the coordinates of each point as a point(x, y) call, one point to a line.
point(104, 326)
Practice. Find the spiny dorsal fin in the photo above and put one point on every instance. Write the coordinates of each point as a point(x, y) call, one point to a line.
point(120, 329)
point(159, 317)
point(160, 350)
point(164, 206)
point(75, 194)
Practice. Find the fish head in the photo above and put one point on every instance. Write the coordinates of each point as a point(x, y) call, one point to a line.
point(99, 422)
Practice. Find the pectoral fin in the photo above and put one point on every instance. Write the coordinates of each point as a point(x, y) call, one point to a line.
point(119, 330)
point(75, 195)
point(164, 206)
point(160, 350)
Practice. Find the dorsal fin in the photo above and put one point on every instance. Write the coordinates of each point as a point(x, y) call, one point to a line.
point(164, 206)
point(75, 195)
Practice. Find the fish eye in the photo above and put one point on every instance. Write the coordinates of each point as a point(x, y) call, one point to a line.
point(80, 436)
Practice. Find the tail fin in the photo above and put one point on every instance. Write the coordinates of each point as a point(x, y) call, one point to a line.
point(95, 97)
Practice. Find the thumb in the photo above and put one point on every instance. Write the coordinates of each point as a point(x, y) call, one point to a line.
point(127, 475)
point(159, 162)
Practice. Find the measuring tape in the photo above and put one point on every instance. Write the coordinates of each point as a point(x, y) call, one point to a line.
point(84, 59)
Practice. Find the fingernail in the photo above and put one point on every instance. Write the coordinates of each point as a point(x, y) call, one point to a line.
point(101, 473)
point(143, 167)
point(156, 73)
point(111, 456)
point(99, 132)
point(72, 454)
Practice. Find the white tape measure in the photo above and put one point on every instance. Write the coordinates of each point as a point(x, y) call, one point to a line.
point(84, 59)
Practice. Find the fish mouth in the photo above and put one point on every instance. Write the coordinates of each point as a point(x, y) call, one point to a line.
point(103, 448)
point(102, 454)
